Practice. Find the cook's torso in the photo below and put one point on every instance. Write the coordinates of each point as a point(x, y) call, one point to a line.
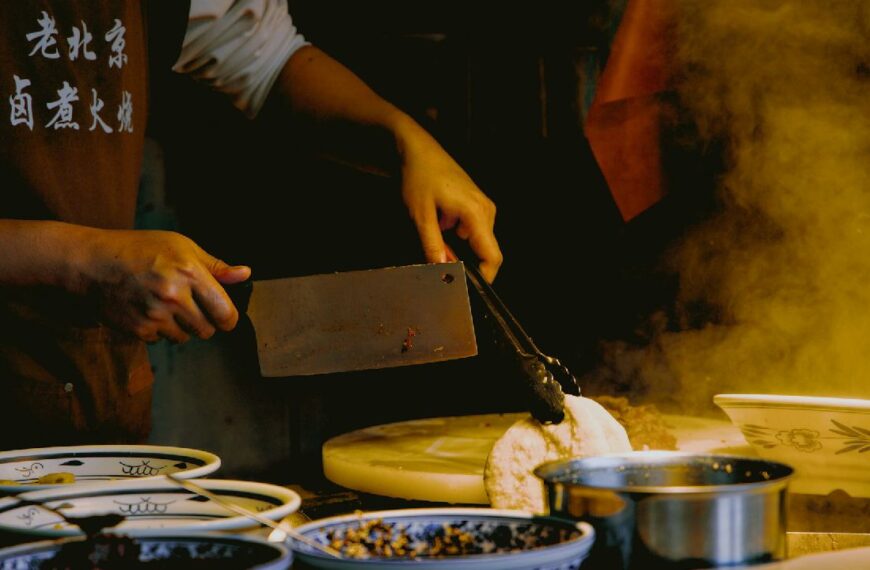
point(72, 118)
point(74, 87)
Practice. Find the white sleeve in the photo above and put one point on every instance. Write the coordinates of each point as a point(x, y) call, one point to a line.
point(238, 47)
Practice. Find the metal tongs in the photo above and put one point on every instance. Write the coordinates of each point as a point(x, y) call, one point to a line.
point(547, 378)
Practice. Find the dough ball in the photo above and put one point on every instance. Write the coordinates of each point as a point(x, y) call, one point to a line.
point(588, 429)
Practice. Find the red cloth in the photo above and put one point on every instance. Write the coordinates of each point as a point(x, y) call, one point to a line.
point(624, 122)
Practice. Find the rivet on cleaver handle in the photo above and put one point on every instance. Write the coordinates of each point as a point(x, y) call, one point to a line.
point(361, 320)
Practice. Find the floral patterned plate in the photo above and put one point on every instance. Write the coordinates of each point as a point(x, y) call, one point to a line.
point(149, 506)
point(826, 440)
point(21, 470)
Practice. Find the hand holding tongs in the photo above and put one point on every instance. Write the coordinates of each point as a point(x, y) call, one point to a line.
point(548, 379)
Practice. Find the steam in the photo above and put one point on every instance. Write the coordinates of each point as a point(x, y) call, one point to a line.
point(786, 262)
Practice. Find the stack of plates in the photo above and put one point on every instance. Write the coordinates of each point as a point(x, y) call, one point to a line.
point(166, 519)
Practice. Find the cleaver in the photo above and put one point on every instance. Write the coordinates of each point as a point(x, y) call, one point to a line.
point(359, 320)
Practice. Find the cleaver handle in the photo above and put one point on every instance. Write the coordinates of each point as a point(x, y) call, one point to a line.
point(241, 341)
point(240, 294)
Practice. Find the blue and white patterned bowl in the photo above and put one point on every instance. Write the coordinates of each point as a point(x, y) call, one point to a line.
point(248, 552)
point(101, 463)
point(150, 506)
point(506, 539)
point(825, 440)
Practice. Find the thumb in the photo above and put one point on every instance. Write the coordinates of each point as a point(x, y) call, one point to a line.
point(430, 237)
point(226, 274)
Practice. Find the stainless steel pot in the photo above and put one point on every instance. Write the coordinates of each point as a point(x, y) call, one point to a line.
point(660, 509)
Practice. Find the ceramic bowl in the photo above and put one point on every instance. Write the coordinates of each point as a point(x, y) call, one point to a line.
point(826, 440)
point(185, 550)
point(150, 506)
point(503, 540)
point(22, 468)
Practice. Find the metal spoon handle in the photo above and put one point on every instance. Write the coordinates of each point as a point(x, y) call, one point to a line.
point(291, 532)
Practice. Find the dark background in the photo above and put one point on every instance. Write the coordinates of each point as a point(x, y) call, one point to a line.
point(505, 91)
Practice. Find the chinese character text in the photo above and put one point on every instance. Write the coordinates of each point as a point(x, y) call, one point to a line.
point(45, 36)
point(63, 117)
point(125, 113)
point(116, 37)
point(79, 40)
point(22, 104)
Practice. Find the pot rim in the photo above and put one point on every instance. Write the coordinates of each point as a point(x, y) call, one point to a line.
point(779, 477)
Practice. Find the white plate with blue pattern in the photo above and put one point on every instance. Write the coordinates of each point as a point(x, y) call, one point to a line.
point(20, 470)
point(176, 549)
point(502, 539)
point(149, 506)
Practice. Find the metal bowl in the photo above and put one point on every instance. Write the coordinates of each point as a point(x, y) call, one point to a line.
point(660, 509)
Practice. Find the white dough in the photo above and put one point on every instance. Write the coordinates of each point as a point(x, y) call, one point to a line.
point(588, 429)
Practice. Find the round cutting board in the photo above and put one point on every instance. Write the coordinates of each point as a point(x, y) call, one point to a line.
point(442, 459)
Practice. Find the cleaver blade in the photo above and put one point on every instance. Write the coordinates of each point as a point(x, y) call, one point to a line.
point(361, 320)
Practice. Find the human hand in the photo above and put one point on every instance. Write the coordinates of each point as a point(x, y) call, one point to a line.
point(157, 284)
point(440, 196)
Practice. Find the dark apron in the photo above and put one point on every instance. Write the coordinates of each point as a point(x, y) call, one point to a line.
point(64, 378)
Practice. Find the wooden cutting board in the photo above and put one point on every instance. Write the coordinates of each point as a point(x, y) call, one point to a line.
point(442, 459)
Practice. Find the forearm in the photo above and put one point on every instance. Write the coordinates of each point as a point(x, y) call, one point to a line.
point(149, 283)
point(42, 253)
point(343, 114)
point(318, 87)
point(366, 130)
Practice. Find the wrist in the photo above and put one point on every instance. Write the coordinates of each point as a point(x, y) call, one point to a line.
point(78, 270)
point(46, 253)
point(405, 131)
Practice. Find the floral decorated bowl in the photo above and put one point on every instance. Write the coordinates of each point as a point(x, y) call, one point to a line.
point(826, 440)
point(47, 467)
point(462, 538)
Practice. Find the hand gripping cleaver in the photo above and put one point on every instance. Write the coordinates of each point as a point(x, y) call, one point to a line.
point(359, 320)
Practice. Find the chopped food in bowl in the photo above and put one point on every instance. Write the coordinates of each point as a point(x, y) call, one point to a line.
point(167, 552)
point(447, 537)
